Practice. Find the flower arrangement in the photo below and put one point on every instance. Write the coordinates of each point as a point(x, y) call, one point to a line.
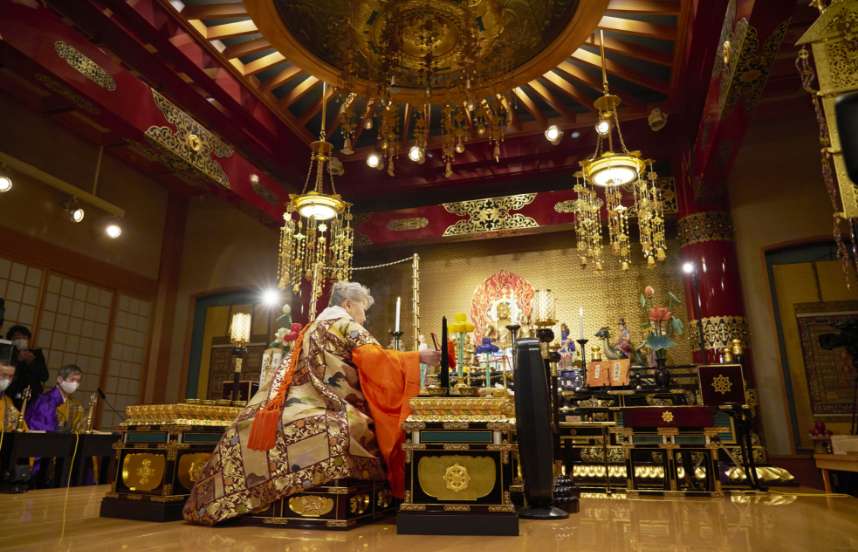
point(661, 326)
point(287, 331)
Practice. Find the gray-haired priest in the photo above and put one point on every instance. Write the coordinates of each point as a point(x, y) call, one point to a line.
point(332, 411)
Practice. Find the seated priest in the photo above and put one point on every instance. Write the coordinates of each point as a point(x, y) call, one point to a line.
point(333, 410)
point(8, 413)
point(57, 410)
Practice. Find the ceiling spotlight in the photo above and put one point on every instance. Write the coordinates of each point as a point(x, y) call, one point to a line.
point(603, 127)
point(575, 134)
point(373, 160)
point(254, 178)
point(688, 267)
point(271, 297)
point(553, 134)
point(460, 147)
point(417, 154)
point(76, 213)
point(113, 230)
point(5, 183)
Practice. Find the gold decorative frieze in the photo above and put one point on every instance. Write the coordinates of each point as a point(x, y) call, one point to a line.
point(703, 227)
point(311, 505)
point(460, 409)
point(407, 224)
point(490, 215)
point(667, 187)
point(191, 142)
point(84, 65)
point(744, 64)
point(185, 414)
point(718, 331)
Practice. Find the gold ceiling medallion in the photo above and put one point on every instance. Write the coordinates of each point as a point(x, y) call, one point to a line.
point(490, 215)
point(311, 505)
point(345, 40)
point(190, 142)
point(85, 66)
point(407, 224)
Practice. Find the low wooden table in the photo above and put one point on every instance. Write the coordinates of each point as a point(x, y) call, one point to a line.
point(835, 462)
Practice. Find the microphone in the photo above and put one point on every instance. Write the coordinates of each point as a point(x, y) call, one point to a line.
point(103, 397)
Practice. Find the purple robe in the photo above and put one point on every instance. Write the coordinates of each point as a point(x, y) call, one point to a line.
point(42, 415)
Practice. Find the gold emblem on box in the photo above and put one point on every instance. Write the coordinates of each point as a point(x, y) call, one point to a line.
point(191, 468)
point(311, 505)
point(457, 477)
point(143, 471)
point(667, 416)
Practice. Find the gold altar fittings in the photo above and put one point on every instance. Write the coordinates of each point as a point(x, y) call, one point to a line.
point(161, 454)
point(458, 467)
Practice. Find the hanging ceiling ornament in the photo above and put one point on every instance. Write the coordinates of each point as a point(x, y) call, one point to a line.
point(306, 250)
point(628, 192)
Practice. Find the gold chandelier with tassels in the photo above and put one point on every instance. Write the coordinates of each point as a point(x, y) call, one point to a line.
point(629, 189)
point(316, 240)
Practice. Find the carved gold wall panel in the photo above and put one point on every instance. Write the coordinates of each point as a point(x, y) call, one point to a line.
point(707, 226)
point(85, 66)
point(490, 215)
point(190, 141)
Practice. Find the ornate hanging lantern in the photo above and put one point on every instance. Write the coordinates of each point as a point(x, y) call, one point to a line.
point(620, 173)
point(316, 240)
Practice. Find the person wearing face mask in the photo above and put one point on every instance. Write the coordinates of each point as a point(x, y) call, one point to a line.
point(57, 410)
point(8, 413)
point(30, 368)
point(333, 410)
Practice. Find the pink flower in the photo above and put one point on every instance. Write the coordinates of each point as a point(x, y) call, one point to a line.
point(659, 314)
point(649, 291)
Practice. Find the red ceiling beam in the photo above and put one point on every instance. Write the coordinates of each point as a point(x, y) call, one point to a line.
point(29, 36)
point(730, 100)
point(151, 38)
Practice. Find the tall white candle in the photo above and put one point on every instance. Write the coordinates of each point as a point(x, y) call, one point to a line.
point(581, 323)
point(398, 307)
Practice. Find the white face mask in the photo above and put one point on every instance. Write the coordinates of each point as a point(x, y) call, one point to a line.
point(4, 383)
point(69, 387)
point(21, 344)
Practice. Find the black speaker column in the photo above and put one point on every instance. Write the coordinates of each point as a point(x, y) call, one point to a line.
point(533, 425)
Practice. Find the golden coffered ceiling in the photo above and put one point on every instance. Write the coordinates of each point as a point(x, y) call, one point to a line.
point(543, 81)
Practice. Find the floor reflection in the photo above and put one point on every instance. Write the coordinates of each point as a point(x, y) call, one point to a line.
point(783, 521)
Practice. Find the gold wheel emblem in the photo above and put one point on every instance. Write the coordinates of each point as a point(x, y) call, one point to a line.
point(667, 416)
point(722, 384)
point(457, 477)
point(145, 471)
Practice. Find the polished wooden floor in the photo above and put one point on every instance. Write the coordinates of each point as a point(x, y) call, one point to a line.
point(52, 520)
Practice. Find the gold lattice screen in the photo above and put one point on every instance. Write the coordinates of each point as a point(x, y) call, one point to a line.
point(450, 273)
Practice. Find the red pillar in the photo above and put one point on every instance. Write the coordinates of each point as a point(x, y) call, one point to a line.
point(706, 241)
